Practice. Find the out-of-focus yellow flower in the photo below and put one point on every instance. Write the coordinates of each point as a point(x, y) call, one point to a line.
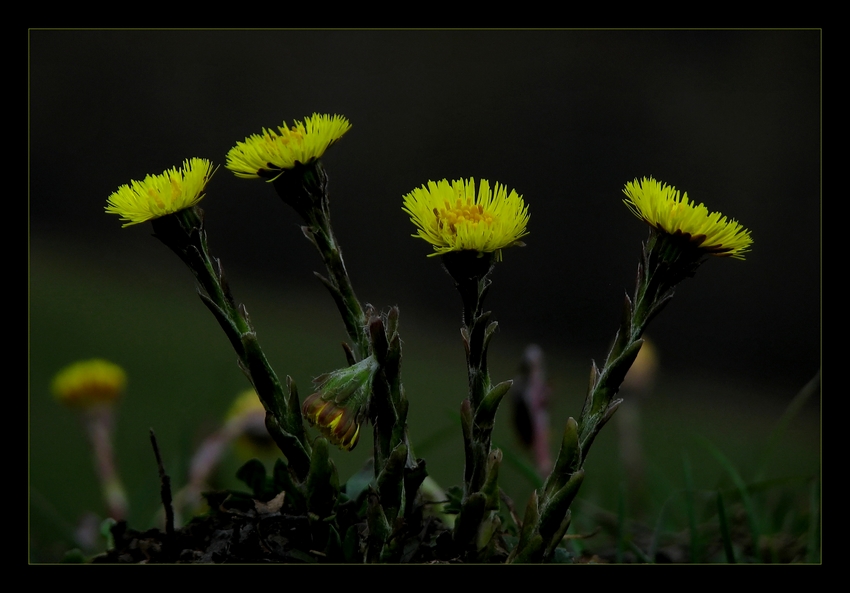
point(89, 383)
point(665, 209)
point(269, 154)
point(451, 217)
point(158, 195)
point(246, 403)
point(246, 422)
point(643, 370)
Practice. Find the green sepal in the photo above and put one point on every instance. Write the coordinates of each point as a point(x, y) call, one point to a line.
point(354, 381)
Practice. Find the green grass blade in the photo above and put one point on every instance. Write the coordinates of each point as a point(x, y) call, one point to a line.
point(743, 491)
point(813, 539)
point(690, 507)
point(724, 530)
point(791, 412)
point(639, 553)
point(621, 523)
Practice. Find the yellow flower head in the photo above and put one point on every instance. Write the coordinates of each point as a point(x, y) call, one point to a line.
point(451, 217)
point(158, 195)
point(338, 407)
point(339, 423)
point(665, 209)
point(88, 383)
point(268, 154)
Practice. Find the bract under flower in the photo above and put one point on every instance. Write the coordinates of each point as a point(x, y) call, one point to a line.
point(158, 195)
point(451, 217)
point(662, 206)
point(338, 407)
point(268, 154)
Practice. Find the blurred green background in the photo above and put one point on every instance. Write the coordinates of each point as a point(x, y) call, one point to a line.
point(565, 117)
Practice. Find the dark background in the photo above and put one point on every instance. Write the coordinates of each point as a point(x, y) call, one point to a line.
point(564, 117)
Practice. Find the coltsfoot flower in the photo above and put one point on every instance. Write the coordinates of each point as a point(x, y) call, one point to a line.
point(339, 406)
point(665, 209)
point(338, 423)
point(269, 154)
point(89, 383)
point(159, 195)
point(451, 217)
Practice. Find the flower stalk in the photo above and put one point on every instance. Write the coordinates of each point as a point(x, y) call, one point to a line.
point(92, 388)
point(681, 236)
point(305, 188)
point(184, 233)
point(469, 230)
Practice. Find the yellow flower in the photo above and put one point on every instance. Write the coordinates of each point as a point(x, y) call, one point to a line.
point(452, 218)
point(665, 209)
point(338, 407)
point(88, 383)
point(246, 404)
point(158, 195)
point(268, 154)
point(337, 422)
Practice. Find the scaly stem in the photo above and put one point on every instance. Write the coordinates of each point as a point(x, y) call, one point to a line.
point(305, 188)
point(184, 234)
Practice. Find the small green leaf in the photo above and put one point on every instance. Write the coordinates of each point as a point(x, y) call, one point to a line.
point(253, 475)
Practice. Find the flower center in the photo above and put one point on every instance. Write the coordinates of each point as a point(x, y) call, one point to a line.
point(452, 216)
point(292, 136)
point(154, 195)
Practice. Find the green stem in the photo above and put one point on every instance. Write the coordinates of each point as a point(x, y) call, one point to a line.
point(305, 188)
point(477, 521)
point(339, 284)
point(184, 234)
